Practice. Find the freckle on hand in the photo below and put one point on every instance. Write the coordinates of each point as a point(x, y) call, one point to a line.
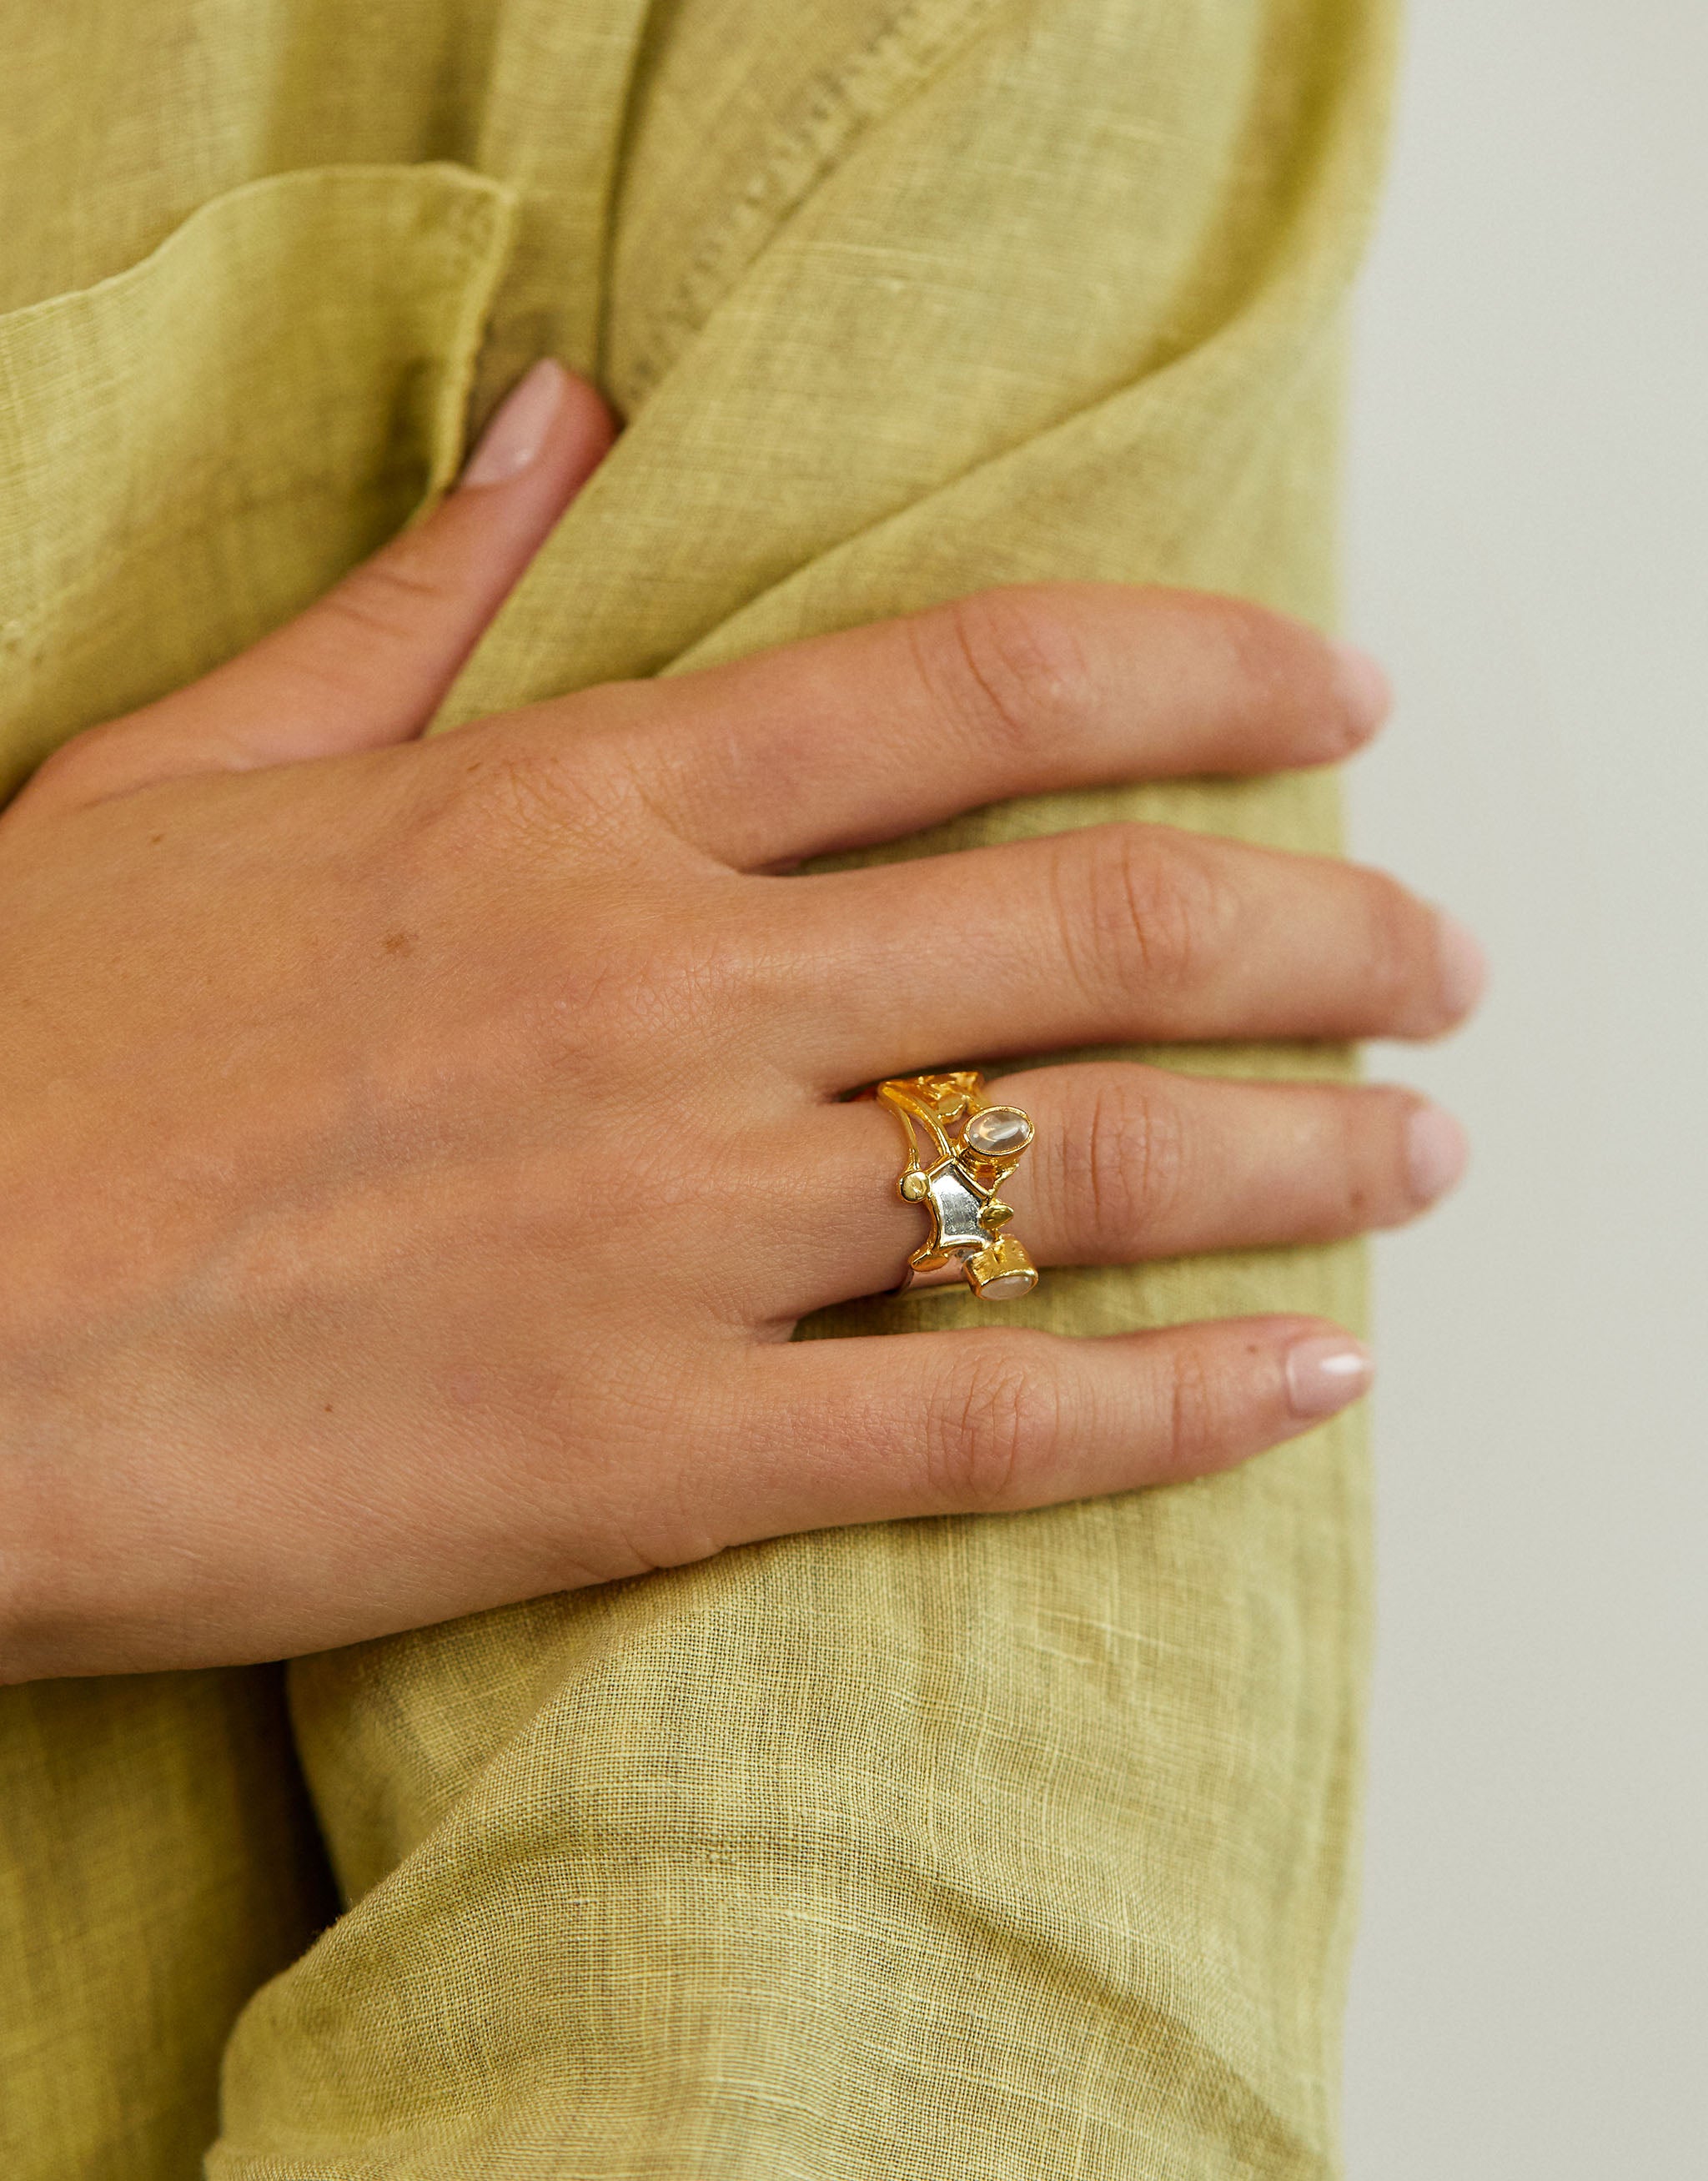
point(399, 943)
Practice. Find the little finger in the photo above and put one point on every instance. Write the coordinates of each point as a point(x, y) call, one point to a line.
point(992, 1421)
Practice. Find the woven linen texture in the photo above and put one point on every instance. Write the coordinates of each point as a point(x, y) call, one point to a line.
point(1011, 1847)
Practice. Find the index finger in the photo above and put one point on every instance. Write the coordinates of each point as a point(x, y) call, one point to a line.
point(845, 740)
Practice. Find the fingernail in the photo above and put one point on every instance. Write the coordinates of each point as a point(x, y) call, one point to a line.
point(1464, 965)
point(518, 427)
point(1364, 685)
point(1437, 1152)
point(1325, 1372)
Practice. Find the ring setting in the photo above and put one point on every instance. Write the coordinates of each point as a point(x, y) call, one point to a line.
point(970, 1148)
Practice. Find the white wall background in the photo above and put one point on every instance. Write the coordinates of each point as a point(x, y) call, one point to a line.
point(1529, 551)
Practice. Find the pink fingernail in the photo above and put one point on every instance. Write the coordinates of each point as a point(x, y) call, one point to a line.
point(1437, 1152)
point(1326, 1372)
point(1464, 965)
point(517, 431)
point(1364, 685)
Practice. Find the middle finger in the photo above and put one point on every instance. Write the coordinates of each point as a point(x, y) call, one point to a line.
point(1114, 934)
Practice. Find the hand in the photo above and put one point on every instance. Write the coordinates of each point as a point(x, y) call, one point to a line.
point(419, 1153)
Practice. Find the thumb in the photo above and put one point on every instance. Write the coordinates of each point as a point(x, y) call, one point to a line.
point(367, 663)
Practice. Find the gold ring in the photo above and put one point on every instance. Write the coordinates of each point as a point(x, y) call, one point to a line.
point(973, 1147)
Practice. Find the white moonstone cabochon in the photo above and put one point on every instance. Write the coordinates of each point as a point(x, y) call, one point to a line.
point(999, 1132)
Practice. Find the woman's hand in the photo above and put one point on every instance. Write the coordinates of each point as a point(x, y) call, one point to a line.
point(418, 1153)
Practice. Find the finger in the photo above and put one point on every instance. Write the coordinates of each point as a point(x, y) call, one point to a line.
point(1128, 1164)
point(992, 1420)
point(367, 663)
point(874, 733)
point(1112, 935)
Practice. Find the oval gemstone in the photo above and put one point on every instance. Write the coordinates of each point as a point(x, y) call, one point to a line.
point(1008, 1287)
point(999, 1132)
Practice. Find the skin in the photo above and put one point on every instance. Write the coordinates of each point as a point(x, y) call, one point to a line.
point(406, 1138)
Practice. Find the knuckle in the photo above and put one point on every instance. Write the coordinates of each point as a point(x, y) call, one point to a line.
point(1006, 665)
point(624, 1016)
point(1195, 1425)
point(393, 597)
point(995, 1427)
point(518, 780)
point(704, 985)
point(1129, 1162)
point(1152, 905)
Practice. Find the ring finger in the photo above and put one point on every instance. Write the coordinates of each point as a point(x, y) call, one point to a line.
point(1131, 1162)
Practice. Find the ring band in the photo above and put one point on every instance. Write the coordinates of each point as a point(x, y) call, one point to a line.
point(973, 1147)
